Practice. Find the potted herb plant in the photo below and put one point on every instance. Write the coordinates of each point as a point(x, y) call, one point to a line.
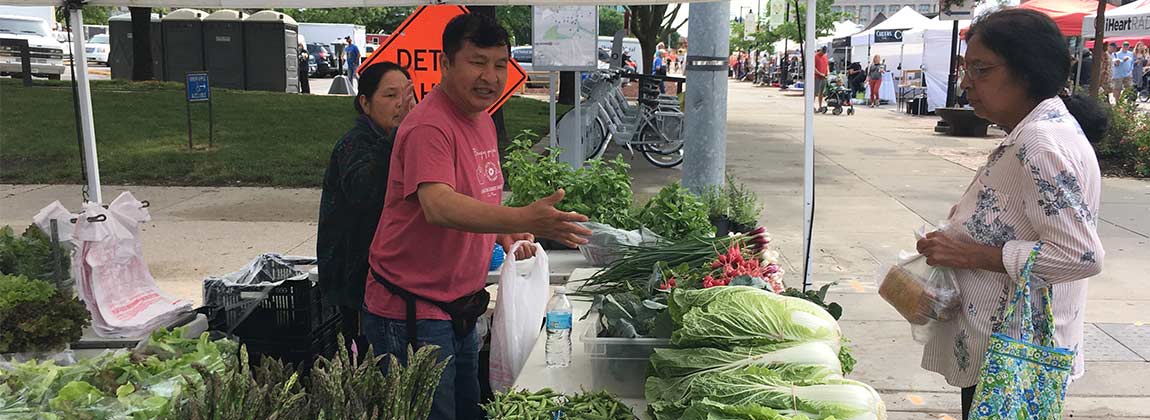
point(718, 209)
point(744, 204)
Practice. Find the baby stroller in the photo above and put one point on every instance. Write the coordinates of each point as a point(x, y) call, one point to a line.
point(837, 97)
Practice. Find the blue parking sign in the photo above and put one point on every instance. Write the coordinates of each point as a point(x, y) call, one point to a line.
point(198, 88)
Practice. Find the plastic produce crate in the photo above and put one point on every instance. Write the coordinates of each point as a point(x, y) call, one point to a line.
point(619, 365)
point(294, 309)
point(300, 352)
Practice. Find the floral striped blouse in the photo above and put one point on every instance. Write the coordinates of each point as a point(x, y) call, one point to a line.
point(1041, 183)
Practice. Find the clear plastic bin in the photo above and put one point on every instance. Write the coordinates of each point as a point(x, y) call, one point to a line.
point(619, 365)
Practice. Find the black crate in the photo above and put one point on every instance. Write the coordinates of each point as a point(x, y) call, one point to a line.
point(300, 352)
point(294, 309)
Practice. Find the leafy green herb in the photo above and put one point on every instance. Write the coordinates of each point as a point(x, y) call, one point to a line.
point(745, 205)
point(676, 213)
point(601, 190)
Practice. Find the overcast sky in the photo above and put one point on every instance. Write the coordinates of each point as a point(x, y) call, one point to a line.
point(735, 7)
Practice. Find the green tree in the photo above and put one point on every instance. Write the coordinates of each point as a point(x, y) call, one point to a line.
point(610, 21)
point(651, 24)
point(824, 21)
point(759, 40)
point(673, 39)
point(517, 21)
point(93, 15)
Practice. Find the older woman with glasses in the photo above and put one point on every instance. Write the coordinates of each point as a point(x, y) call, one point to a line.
point(1042, 183)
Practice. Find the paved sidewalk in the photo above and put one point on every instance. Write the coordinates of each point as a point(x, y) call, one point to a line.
point(880, 175)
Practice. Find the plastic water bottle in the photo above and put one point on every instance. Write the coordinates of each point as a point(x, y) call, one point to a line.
point(559, 330)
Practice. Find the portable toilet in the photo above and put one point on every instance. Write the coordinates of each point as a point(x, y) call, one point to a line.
point(183, 43)
point(120, 59)
point(271, 48)
point(224, 49)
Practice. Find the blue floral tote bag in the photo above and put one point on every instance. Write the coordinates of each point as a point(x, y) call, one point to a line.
point(1023, 378)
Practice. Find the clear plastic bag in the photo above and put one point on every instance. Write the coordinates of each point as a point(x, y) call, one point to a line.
point(922, 294)
point(607, 244)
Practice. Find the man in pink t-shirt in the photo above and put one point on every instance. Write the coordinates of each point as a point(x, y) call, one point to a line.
point(822, 69)
point(442, 216)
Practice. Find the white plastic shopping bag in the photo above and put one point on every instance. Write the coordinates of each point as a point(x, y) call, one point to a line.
point(519, 310)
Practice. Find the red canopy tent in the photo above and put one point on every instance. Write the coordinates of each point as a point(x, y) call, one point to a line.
point(1067, 14)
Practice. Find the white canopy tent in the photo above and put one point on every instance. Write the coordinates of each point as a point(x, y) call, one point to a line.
point(932, 43)
point(842, 29)
point(1131, 20)
point(863, 43)
point(84, 95)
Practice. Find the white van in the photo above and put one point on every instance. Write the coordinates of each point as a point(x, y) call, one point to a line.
point(630, 46)
point(47, 53)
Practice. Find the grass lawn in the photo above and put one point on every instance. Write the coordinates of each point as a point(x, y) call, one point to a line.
point(261, 138)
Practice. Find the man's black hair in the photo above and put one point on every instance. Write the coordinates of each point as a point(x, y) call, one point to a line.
point(481, 30)
point(369, 80)
point(1032, 47)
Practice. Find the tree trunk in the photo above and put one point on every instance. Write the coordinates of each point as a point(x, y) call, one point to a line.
point(500, 128)
point(141, 43)
point(1100, 57)
point(647, 26)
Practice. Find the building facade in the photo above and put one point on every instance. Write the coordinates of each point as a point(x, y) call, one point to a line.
point(863, 11)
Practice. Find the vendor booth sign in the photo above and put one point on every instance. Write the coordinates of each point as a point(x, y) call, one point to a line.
point(888, 35)
point(1119, 26)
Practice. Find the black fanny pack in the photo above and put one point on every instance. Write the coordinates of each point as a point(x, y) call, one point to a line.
point(464, 311)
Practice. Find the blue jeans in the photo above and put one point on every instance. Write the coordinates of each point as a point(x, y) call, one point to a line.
point(457, 396)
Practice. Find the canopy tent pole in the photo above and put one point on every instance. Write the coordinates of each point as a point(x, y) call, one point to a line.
point(809, 146)
point(1078, 71)
point(80, 60)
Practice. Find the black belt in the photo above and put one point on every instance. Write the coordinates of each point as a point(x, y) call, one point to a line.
point(464, 311)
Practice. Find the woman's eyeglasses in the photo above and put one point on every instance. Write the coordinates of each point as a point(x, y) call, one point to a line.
point(979, 72)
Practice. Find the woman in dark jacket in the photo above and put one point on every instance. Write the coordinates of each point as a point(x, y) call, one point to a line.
point(354, 187)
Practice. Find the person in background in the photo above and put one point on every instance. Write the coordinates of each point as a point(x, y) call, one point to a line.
point(303, 68)
point(353, 56)
point(874, 79)
point(1123, 71)
point(1041, 184)
point(442, 216)
point(1106, 76)
point(1141, 55)
point(822, 69)
point(660, 69)
point(354, 186)
point(857, 79)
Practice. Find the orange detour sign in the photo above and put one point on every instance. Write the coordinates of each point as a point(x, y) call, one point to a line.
point(418, 44)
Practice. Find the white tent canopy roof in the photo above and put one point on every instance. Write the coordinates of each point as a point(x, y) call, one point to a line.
point(843, 29)
point(906, 18)
point(1129, 20)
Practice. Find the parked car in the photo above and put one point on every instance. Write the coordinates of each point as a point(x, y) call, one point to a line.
point(47, 53)
point(523, 56)
point(98, 48)
point(323, 58)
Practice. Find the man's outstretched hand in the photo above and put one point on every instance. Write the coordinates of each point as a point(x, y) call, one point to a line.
point(544, 220)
